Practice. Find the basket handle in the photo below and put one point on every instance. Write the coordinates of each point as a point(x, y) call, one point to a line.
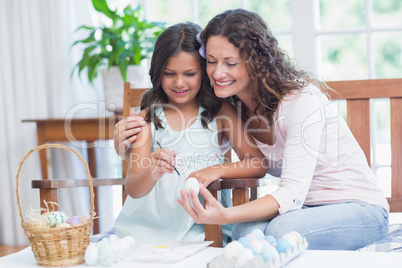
point(55, 145)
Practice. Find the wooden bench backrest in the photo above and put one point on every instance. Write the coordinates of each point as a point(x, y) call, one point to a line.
point(132, 98)
point(358, 94)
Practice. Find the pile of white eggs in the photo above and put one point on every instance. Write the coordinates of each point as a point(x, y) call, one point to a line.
point(109, 250)
point(258, 250)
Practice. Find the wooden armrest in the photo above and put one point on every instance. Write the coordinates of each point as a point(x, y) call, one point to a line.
point(72, 183)
point(244, 183)
point(214, 186)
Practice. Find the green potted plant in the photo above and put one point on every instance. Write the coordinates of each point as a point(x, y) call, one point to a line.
point(118, 50)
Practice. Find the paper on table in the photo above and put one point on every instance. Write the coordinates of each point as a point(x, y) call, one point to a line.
point(166, 252)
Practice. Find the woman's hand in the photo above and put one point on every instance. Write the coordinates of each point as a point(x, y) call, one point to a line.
point(125, 133)
point(207, 175)
point(213, 213)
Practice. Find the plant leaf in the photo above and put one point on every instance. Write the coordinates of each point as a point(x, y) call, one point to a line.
point(102, 7)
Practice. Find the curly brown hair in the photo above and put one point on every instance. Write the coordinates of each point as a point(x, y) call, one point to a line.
point(271, 70)
point(175, 39)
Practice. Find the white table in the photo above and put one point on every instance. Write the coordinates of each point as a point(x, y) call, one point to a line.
point(308, 259)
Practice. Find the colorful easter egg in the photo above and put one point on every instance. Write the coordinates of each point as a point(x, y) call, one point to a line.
point(55, 218)
point(269, 253)
point(74, 220)
point(272, 240)
point(283, 245)
point(244, 241)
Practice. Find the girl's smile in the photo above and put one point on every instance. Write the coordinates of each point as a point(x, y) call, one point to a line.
point(181, 80)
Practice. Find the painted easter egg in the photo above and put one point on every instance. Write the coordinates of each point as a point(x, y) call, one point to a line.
point(244, 241)
point(55, 218)
point(74, 220)
point(283, 245)
point(269, 253)
point(272, 240)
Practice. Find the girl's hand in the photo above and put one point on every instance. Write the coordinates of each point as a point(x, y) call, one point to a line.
point(125, 133)
point(206, 175)
point(162, 161)
point(213, 213)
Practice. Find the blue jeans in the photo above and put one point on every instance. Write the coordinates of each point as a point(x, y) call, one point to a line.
point(342, 226)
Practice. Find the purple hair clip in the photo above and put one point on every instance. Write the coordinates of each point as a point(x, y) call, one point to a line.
point(202, 48)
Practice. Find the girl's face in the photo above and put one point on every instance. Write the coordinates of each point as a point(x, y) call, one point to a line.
point(226, 69)
point(181, 79)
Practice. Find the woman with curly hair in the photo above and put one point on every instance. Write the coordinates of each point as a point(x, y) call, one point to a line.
point(327, 191)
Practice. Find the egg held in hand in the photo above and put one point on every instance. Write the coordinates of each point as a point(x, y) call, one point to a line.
point(192, 183)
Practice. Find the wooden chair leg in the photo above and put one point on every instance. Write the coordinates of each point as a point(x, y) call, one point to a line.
point(240, 196)
point(253, 193)
point(213, 232)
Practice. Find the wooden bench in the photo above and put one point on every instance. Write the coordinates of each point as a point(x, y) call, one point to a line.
point(357, 93)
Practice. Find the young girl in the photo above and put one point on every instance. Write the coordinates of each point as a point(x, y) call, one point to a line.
point(183, 116)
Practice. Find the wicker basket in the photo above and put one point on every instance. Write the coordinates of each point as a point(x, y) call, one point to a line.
point(59, 246)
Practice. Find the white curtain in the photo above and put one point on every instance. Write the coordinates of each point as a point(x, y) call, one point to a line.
point(35, 65)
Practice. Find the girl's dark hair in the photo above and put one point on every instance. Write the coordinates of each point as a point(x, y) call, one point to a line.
point(269, 67)
point(178, 38)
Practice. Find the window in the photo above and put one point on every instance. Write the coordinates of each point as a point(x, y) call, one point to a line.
point(362, 39)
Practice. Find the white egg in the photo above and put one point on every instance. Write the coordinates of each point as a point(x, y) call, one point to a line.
point(103, 241)
point(124, 246)
point(192, 183)
point(106, 255)
point(297, 236)
point(258, 233)
point(130, 240)
point(118, 252)
point(256, 245)
point(113, 237)
point(291, 240)
point(63, 225)
point(245, 255)
point(232, 249)
point(91, 254)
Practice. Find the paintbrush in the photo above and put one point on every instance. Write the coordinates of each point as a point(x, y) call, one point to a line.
point(173, 165)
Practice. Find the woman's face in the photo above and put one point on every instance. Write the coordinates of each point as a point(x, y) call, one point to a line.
point(181, 79)
point(226, 69)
